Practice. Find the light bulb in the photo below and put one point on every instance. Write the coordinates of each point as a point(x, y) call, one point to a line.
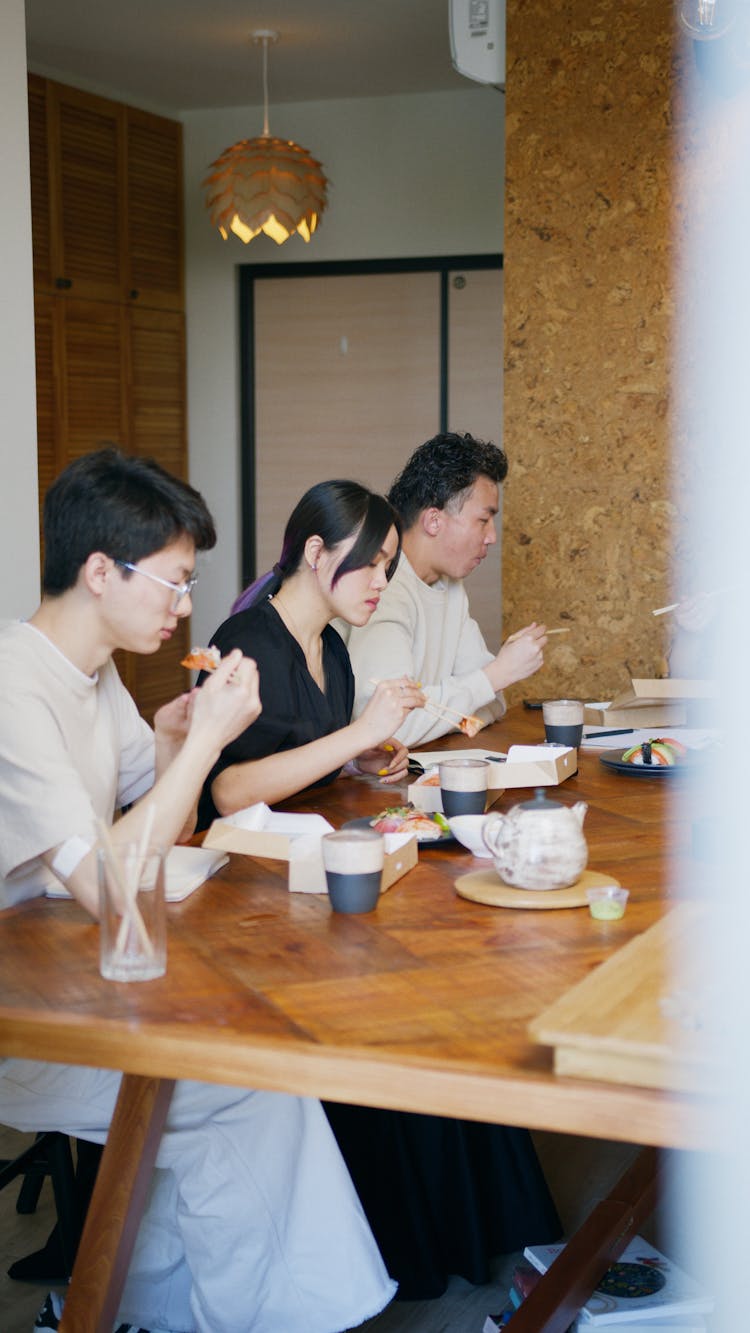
point(706, 20)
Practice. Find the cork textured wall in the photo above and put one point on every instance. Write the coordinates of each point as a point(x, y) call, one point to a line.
point(588, 512)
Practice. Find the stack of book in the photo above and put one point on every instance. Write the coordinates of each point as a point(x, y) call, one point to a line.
point(643, 1292)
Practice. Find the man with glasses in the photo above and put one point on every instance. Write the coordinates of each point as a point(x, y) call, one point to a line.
point(253, 1223)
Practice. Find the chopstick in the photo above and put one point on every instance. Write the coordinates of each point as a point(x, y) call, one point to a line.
point(131, 914)
point(442, 710)
point(662, 610)
point(136, 871)
point(438, 710)
point(562, 630)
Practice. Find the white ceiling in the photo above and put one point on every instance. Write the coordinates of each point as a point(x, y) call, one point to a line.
point(180, 55)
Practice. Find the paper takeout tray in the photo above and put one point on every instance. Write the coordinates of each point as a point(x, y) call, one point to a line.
point(524, 766)
point(296, 838)
point(650, 703)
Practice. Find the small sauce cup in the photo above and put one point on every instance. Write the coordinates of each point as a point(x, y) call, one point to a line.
point(608, 902)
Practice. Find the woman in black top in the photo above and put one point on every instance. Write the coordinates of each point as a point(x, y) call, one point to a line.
point(441, 1196)
point(341, 546)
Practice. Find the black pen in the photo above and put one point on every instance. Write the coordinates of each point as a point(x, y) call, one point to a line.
point(594, 735)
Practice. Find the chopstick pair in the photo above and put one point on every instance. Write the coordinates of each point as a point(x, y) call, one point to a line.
point(452, 715)
point(443, 710)
point(128, 889)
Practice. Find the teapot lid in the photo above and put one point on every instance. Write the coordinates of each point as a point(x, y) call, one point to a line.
point(541, 802)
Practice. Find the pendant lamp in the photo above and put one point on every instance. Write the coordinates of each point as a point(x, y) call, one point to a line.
point(266, 184)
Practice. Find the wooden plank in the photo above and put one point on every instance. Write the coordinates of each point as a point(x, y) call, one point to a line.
point(570, 1280)
point(116, 1205)
point(616, 1025)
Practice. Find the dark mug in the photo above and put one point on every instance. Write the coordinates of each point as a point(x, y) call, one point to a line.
point(353, 860)
point(463, 786)
point(563, 721)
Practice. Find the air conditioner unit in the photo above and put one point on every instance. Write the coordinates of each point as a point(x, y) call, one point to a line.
point(478, 39)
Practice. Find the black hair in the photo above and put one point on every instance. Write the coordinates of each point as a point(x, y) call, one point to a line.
point(331, 510)
point(441, 471)
point(126, 507)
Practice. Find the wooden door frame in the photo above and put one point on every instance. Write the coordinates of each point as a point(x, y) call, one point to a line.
point(249, 274)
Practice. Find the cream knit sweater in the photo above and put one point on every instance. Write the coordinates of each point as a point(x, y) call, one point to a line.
point(424, 631)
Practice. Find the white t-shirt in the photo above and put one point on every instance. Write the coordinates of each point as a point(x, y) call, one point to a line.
point(73, 749)
point(424, 631)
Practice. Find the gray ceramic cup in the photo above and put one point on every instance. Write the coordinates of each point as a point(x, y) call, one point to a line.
point(563, 721)
point(353, 860)
point(463, 786)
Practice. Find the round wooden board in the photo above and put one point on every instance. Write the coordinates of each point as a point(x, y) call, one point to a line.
point(485, 886)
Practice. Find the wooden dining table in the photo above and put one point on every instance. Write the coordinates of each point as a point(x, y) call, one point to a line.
point(422, 1005)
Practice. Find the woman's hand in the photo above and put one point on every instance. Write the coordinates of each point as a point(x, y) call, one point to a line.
point(228, 701)
point(520, 656)
point(390, 702)
point(390, 761)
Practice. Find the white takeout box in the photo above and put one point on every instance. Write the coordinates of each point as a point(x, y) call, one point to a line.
point(259, 831)
point(524, 766)
point(650, 703)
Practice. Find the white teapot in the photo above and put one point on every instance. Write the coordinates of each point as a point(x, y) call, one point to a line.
point(539, 844)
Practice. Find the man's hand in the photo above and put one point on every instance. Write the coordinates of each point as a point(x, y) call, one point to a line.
point(520, 656)
point(171, 726)
point(695, 614)
point(228, 700)
point(172, 720)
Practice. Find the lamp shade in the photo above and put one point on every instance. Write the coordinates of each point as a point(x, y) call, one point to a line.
point(266, 184)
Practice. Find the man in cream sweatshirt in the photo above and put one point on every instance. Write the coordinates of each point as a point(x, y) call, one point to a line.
point(447, 496)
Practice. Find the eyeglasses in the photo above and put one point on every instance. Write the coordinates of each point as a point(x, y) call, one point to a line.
point(180, 590)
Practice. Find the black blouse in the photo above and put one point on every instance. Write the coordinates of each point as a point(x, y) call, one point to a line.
point(295, 709)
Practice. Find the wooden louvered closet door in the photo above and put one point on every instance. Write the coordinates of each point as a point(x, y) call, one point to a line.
point(106, 192)
point(157, 412)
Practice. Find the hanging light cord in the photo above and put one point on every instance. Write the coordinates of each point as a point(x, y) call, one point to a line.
point(265, 88)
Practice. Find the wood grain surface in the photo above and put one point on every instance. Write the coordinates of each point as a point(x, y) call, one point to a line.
point(421, 1005)
point(623, 1021)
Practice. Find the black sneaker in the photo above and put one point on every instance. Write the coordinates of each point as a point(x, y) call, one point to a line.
point(48, 1319)
point(50, 1314)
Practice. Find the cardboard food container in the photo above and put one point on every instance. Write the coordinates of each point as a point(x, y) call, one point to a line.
point(650, 703)
point(524, 766)
point(278, 836)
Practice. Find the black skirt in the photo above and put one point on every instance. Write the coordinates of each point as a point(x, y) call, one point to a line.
point(443, 1196)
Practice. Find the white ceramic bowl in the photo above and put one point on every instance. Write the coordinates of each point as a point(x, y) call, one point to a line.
point(468, 830)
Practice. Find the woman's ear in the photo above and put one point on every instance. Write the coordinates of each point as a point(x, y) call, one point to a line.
point(313, 548)
point(95, 572)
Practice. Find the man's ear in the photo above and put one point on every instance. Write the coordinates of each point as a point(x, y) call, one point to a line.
point(95, 572)
point(313, 548)
point(431, 521)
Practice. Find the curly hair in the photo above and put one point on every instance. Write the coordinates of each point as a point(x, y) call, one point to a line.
point(441, 472)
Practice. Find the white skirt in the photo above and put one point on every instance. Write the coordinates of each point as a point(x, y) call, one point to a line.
point(252, 1223)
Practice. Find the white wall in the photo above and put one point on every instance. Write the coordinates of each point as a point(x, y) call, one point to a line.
point(412, 175)
point(19, 539)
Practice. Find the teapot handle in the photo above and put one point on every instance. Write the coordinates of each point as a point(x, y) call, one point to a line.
point(490, 830)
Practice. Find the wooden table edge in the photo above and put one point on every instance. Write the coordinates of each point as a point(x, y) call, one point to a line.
point(406, 1082)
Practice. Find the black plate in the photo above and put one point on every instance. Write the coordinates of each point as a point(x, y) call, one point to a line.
point(613, 759)
point(366, 822)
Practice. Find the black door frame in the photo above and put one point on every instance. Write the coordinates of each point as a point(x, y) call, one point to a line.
point(248, 275)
